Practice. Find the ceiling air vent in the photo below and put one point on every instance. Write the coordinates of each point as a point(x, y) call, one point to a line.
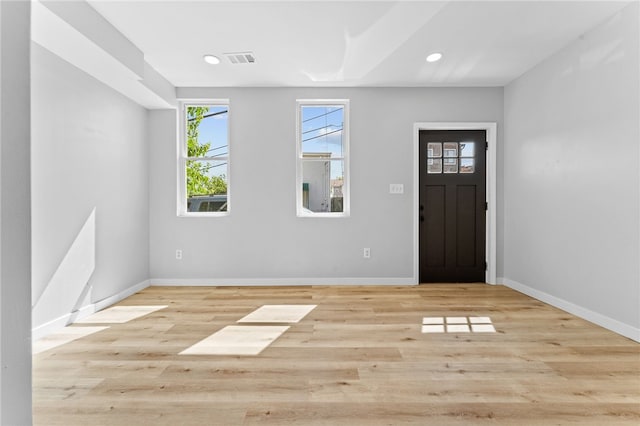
point(241, 58)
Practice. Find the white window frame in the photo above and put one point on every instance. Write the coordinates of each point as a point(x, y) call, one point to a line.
point(182, 156)
point(346, 193)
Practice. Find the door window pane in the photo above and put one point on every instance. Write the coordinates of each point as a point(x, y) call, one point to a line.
point(434, 155)
point(467, 149)
point(450, 149)
point(434, 149)
point(450, 165)
point(467, 165)
point(434, 165)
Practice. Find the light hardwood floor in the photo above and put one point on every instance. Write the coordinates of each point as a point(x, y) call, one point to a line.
point(359, 358)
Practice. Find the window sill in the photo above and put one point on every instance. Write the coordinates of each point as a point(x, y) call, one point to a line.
point(322, 215)
point(203, 214)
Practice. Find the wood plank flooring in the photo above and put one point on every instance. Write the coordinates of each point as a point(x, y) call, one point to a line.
point(359, 358)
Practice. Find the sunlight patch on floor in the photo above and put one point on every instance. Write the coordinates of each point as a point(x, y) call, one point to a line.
point(237, 340)
point(457, 325)
point(278, 314)
point(120, 314)
point(66, 335)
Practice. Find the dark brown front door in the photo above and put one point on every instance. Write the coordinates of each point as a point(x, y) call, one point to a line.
point(452, 205)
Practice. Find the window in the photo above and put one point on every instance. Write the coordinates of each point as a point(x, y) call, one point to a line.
point(322, 163)
point(204, 159)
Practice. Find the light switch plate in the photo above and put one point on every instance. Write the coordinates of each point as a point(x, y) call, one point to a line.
point(396, 188)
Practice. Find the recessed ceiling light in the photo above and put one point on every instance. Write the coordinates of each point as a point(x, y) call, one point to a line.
point(434, 57)
point(210, 59)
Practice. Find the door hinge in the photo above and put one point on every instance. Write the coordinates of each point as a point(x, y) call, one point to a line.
point(486, 266)
point(486, 145)
point(486, 206)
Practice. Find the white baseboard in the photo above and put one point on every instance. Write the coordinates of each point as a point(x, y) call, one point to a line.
point(616, 326)
point(224, 282)
point(584, 313)
point(121, 295)
point(64, 320)
point(57, 324)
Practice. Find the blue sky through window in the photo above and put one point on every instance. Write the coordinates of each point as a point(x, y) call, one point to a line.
point(322, 130)
point(213, 129)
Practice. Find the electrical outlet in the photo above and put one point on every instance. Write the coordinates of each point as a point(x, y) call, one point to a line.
point(179, 254)
point(396, 188)
point(366, 253)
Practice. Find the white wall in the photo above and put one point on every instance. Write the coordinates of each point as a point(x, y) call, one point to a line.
point(571, 177)
point(90, 191)
point(262, 238)
point(15, 259)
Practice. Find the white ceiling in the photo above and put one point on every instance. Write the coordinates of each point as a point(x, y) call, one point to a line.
point(356, 43)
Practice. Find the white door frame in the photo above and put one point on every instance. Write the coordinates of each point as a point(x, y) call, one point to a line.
point(490, 244)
